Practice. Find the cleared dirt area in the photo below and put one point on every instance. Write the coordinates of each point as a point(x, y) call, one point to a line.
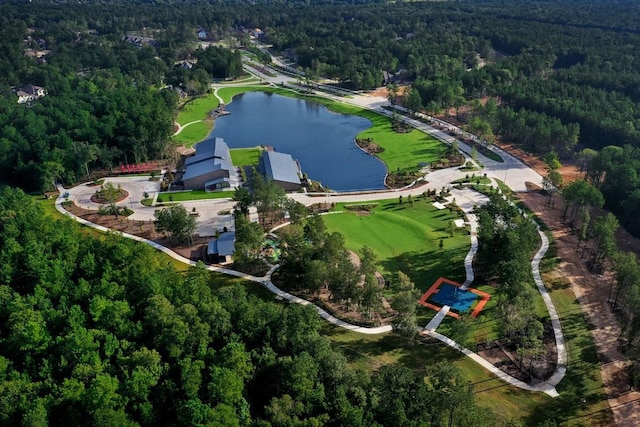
point(592, 292)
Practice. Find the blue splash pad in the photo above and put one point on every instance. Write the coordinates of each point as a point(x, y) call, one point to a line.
point(454, 297)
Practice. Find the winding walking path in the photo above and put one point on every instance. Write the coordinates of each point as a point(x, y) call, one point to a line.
point(547, 387)
point(519, 174)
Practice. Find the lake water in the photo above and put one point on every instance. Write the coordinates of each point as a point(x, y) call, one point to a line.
point(322, 141)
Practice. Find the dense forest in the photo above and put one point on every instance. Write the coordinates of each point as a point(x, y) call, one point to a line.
point(559, 76)
point(106, 332)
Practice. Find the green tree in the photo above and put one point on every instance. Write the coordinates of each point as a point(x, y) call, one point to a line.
point(451, 392)
point(176, 221)
point(405, 303)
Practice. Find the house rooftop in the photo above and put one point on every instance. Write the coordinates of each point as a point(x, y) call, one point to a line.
point(224, 245)
point(211, 155)
point(280, 167)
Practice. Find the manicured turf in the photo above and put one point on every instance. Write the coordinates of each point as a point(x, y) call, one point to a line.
point(402, 150)
point(483, 180)
point(406, 238)
point(245, 156)
point(185, 196)
point(193, 133)
point(197, 109)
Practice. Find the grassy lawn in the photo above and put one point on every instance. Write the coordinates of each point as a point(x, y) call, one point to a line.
point(405, 238)
point(582, 400)
point(197, 109)
point(186, 196)
point(482, 180)
point(48, 206)
point(245, 156)
point(402, 150)
point(193, 133)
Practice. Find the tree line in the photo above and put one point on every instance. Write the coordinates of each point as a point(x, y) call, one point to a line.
point(507, 241)
point(597, 241)
point(559, 81)
point(98, 331)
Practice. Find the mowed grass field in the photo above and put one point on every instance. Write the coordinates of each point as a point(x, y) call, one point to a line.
point(193, 133)
point(197, 109)
point(405, 237)
point(245, 156)
point(403, 150)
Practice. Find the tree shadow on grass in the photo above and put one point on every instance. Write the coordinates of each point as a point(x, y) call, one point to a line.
point(582, 396)
point(424, 268)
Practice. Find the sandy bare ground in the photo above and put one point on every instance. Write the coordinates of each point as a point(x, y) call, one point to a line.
point(592, 293)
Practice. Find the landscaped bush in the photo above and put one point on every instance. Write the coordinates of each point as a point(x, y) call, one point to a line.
point(113, 209)
point(360, 207)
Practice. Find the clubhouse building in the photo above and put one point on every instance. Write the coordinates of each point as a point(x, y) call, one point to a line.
point(281, 169)
point(210, 168)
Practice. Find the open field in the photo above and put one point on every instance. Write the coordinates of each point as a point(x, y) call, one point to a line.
point(406, 237)
point(193, 133)
point(197, 109)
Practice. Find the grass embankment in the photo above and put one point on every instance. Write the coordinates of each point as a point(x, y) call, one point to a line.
point(245, 156)
point(187, 196)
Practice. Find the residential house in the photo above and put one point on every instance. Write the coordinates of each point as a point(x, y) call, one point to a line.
point(256, 33)
point(202, 34)
point(28, 93)
point(186, 64)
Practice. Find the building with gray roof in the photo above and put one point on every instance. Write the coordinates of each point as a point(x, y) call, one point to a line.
point(221, 249)
point(210, 168)
point(281, 169)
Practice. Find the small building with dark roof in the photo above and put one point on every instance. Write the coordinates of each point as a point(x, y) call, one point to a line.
point(210, 168)
point(220, 250)
point(281, 169)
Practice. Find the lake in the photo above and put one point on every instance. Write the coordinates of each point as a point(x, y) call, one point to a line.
point(322, 141)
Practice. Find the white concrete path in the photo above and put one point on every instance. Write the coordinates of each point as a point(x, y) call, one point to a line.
point(545, 387)
point(437, 319)
point(517, 172)
point(265, 280)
